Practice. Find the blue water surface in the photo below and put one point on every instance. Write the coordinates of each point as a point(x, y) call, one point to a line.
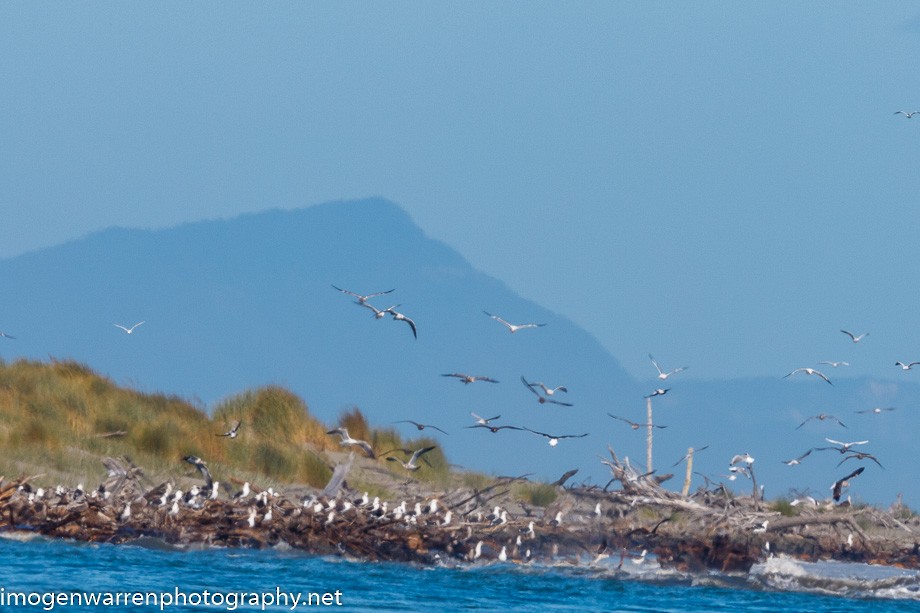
point(42, 566)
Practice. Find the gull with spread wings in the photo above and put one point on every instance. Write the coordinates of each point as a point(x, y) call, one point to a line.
point(512, 328)
point(541, 398)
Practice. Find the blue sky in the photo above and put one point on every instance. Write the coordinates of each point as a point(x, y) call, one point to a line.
point(724, 185)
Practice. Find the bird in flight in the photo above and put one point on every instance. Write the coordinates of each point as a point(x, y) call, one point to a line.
point(5, 335)
point(658, 392)
point(512, 328)
point(906, 366)
point(742, 457)
point(661, 373)
point(859, 455)
point(907, 114)
point(418, 425)
point(798, 460)
point(128, 330)
point(378, 313)
point(876, 410)
point(821, 417)
point(838, 485)
point(633, 424)
point(844, 447)
point(549, 391)
point(554, 440)
point(397, 316)
point(363, 299)
point(411, 464)
point(834, 364)
point(347, 440)
point(855, 338)
point(494, 429)
point(469, 378)
point(232, 432)
point(483, 421)
point(541, 398)
point(687, 455)
point(809, 371)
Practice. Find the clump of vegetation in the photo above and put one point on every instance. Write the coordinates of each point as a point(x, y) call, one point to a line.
point(537, 494)
point(783, 507)
point(62, 415)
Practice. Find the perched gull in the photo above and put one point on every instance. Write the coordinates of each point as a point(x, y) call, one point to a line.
point(549, 391)
point(363, 299)
point(907, 114)
point(467, 379)
point(633, 424)
point(854, 337)
point(347, 440)
point(876, 410)
point(907, 366)
point(418, 425)
point(821, 417)
point(411, 465)
point(658, 392)
point(232, 432)
point(798, 460)
point(512, 327)
point(128, 330)
point(540, 398)
point(554, 440)
point(838, 485)
point(662, 374)
point(834, 364)
point(809, 371)
point(484, 421)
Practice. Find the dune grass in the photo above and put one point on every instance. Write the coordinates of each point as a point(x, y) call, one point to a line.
point(60, 418)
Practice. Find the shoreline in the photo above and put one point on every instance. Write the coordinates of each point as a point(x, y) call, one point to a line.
point(705, 531)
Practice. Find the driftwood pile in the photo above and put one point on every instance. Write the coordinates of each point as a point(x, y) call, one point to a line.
point(709, 529)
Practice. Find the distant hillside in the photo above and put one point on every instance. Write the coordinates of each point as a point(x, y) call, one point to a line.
point(236, 304)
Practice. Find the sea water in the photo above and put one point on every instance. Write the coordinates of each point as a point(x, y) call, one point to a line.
point(38, 574)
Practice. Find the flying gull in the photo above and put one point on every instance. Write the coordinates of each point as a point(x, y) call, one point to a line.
point(347, 440)
point(512, 327)
point(838, 485)
point(494, 429)
point(397, 316)
point(232, 432)
point(661, 373)
point(128, 330)
point(834, 364)
point(687, 455)
point(855, 337)
point(554, 440)
point(202, 468)
point(363, 299)
point(821, 417)
point(809, 371)
point(418, 425)
point(411, 464)
point(844, 447)
point(907, 114)
point(798, 460)
point(907, 366)
point(633, 424)
point(658, 392)
point(859, 455)
point(540, 398)
point(467, 379)
point(483, 421)
point(876, 410)
point(5, 335)
point(549, 391)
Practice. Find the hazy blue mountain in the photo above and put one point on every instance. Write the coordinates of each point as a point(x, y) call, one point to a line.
point(232, 304)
